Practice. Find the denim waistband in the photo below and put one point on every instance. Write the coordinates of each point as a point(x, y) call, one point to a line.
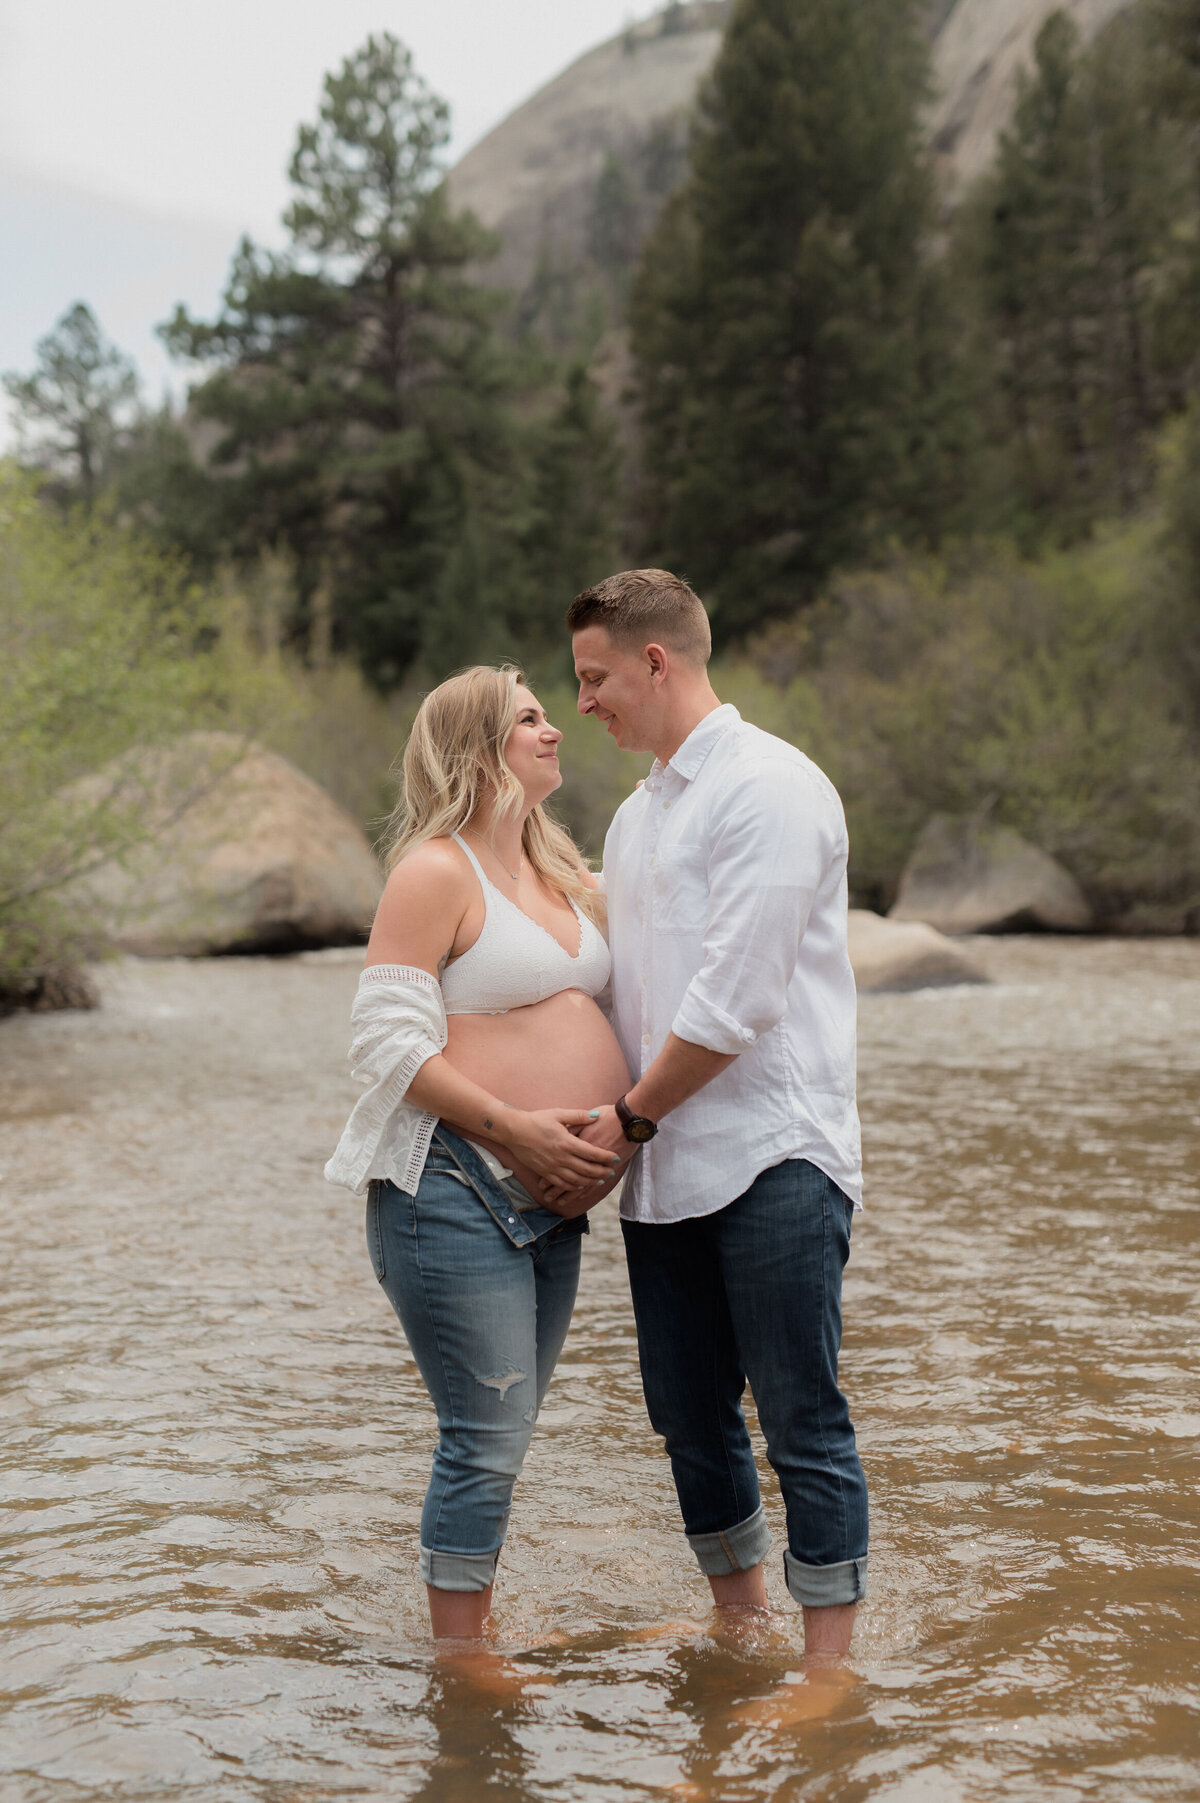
point(513, 1220)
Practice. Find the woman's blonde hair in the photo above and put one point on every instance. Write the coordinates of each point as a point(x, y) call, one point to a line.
point(454, 760)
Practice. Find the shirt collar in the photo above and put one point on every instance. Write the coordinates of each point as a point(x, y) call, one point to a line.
point(688, 760)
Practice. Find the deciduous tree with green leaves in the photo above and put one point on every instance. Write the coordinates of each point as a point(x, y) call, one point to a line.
point(108, 649)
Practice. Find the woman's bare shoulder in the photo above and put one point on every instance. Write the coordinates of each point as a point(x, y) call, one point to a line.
point(434, 861)
point(426, 895)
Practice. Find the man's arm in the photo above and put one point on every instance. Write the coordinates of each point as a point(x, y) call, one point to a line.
point(680, 1069)
point(769, 848)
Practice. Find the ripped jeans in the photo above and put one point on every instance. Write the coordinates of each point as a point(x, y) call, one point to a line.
point(484, 1292)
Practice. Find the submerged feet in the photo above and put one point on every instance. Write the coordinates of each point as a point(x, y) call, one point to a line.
point(806, 1695)
point(488, 1671)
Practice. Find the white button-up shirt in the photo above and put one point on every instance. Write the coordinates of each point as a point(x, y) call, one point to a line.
point(726, 881)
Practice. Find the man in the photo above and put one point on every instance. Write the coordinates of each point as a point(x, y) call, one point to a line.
point(734, 1004)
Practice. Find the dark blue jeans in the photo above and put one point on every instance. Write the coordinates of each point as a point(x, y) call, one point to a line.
point(755, 1291)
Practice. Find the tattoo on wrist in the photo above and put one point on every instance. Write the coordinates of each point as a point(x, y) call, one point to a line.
point(488, 1124)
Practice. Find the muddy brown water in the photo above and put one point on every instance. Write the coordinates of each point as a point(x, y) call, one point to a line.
point(216, 1443)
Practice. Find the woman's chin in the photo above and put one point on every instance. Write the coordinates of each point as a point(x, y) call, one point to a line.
point(547, 782)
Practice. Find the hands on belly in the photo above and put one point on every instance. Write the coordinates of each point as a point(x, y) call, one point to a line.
point(602, 1133)
point(549, 1142)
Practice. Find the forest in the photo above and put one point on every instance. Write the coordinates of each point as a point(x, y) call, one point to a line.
point(932, 461)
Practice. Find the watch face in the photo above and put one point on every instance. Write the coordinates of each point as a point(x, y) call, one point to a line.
point(640, 1131)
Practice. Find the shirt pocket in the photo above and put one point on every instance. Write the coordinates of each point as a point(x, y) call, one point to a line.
point(679, 883)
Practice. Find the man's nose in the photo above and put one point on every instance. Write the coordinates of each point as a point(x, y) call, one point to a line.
point(586, 703)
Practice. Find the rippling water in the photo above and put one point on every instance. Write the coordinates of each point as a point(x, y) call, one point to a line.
point(216, 1443)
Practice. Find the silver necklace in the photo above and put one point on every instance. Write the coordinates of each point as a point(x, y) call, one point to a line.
point(514, 874)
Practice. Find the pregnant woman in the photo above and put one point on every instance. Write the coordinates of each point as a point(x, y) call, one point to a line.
point(476, 1031)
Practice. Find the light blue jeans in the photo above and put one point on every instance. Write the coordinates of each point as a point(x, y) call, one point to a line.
point(484, 1291)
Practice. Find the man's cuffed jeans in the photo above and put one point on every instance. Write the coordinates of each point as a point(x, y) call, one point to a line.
point(755, 1291)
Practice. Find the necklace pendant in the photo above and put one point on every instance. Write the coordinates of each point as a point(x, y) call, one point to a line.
point(514, 874)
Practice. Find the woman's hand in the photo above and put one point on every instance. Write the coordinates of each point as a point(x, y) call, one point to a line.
point(572, 1202)
point(547, 1141)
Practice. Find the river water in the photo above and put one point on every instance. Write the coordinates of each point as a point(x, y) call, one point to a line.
point(217, 1443)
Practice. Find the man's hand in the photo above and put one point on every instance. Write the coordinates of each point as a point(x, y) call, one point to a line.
point(607, 1135)
point(550, 1142)
point(607, 1132)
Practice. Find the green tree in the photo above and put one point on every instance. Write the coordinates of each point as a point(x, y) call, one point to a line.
point(1174, 39)
point(782, 317)
point(108, 647)
point(71, 410)
point(1175, 28)
point(357, 381)
point(1182, 493)
point(1075, 245)
point(572, 537)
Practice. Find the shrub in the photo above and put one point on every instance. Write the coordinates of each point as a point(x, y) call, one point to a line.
point(1049, 694)
point(106, 646)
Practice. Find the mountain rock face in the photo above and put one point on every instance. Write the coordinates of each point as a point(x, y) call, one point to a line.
point(978, 54)
point(536, 180)
point(533, 179)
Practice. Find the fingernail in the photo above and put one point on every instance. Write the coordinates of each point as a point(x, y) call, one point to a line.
point(593, 1114)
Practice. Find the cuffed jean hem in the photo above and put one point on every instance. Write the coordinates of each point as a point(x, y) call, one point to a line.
point(457, 1571)
point(739, 1548)
point(823, 1586)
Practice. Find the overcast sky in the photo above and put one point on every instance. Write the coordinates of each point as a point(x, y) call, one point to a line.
point(138, 138)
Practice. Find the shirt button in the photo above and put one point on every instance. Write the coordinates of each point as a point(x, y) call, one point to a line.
point(512, 1220)
point(666, 804)
point(645, 1039)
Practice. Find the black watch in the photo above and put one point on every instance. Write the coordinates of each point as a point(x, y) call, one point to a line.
point(634, 1126)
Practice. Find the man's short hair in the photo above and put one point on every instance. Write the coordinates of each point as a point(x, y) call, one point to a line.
point(643, 607)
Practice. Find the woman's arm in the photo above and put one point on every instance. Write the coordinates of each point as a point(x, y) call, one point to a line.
point(418, 923)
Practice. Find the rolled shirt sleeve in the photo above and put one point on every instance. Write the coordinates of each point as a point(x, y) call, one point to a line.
point(770, 843)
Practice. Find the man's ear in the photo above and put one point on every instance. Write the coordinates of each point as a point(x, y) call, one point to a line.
point(659, 663)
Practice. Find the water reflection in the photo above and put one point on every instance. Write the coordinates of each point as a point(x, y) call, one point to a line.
point(217, 1444)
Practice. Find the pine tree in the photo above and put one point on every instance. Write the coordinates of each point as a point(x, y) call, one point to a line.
point(571, 540)
point(784, 315)
point(358, 384)
point(72, 409)
point(1073, 236)
point(1175, 29)
point(1174, 35)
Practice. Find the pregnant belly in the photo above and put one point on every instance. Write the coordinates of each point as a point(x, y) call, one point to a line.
point(560, 1053)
